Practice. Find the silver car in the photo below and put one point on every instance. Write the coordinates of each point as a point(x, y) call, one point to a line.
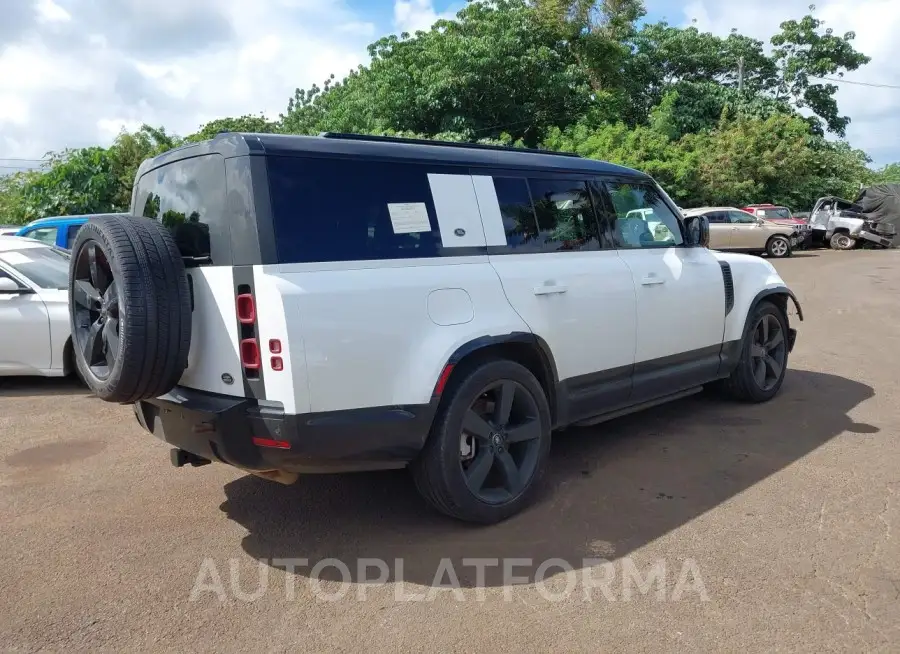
point(734, 229)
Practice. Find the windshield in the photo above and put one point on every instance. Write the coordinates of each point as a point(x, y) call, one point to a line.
point(44, 267)
point(777, 212)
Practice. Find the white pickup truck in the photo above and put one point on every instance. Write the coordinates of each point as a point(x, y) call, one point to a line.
point(843, 225)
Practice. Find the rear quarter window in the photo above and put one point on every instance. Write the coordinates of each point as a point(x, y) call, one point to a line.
point(330, 210)
point(188, 197)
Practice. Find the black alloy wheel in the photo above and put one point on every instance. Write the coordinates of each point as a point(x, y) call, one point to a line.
point(97, 310)
point(500, 442)
point(768, 352)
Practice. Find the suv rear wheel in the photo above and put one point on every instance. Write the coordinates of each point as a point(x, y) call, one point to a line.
point(488, 445)
point(130, 308)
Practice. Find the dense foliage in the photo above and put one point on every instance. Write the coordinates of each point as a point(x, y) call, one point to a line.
point(716, 120)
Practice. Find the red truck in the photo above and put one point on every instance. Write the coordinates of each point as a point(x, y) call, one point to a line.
point(781, 215)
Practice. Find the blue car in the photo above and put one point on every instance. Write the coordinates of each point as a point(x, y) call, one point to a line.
point(55, 230)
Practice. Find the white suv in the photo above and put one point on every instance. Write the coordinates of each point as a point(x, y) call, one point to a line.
point(291, 304)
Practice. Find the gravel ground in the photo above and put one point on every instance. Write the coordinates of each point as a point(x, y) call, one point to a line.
point(702, 526)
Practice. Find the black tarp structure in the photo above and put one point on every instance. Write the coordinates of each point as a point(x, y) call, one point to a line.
point(880, 203)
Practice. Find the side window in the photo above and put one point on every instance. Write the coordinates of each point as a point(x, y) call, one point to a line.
point(565, 215)
point(44, 235)
point(188, 197)
point(642, 218)
point(71, 234)
point(351, 210)
point(741, 218)
point(716, 217)
point(517, 211)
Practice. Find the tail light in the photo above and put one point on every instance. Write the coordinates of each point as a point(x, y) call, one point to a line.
point(246, 309)
point(248, 342)
point(250, 358)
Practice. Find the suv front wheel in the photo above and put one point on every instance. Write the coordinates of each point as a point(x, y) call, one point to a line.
point(488, 445)
point(760, 371)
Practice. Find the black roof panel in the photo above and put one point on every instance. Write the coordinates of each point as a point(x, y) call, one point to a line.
point(239, 144)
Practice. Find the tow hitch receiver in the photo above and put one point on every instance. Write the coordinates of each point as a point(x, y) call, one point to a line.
point(181, 458)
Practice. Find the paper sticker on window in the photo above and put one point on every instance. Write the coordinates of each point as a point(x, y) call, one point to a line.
point(409, 217)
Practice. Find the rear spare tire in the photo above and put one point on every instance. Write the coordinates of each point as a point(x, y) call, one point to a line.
point(129, 307)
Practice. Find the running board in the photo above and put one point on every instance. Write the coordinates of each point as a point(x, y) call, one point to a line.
point(603, 417)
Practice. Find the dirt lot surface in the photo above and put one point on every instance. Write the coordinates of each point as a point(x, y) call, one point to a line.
point(773, 527)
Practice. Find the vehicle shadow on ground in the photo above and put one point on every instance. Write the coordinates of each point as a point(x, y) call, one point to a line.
point(609, 490)
point(42, 386)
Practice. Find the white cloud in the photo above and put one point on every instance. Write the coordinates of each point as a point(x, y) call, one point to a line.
point(875, 125)
point(413, 15)
point(73, 74)
point(49, 11)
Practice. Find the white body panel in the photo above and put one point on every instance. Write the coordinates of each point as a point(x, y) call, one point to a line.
point(751, 275)
point(581, 303)
point(279, 318)
point(367, 329)
point(680, 300)
point(214, 333)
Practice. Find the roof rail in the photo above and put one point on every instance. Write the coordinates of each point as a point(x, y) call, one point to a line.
point(447, 144)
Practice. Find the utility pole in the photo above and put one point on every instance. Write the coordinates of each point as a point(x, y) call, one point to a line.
point(740, 74)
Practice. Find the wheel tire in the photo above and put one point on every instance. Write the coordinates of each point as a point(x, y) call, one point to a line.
point(438, 471)
point(778, 247)
point(742, 384)
point(145, 308)
point(842, 241)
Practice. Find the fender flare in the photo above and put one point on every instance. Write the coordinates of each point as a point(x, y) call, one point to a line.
point(769, 292)
point(527, 338)
point(776, 290)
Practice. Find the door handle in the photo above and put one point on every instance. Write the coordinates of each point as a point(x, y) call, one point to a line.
point(549, 289)
point(652, 280)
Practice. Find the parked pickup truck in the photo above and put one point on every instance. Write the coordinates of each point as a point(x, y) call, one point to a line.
point(869, 220)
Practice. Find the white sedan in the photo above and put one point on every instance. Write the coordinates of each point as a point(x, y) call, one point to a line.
point(34, 309)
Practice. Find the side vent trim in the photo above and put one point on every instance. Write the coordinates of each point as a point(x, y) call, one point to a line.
point(729, 286)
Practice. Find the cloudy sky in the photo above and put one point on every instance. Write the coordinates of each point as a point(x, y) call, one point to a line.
point(74, 72)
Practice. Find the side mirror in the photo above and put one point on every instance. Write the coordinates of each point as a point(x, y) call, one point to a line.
point(697, 231)
point(9, 287)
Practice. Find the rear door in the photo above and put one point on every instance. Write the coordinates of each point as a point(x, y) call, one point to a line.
point(188, 197)
point(719, 230)
point(746, 233)
point(565, 281)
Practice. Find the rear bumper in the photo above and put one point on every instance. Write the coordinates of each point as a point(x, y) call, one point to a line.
point(222, 428)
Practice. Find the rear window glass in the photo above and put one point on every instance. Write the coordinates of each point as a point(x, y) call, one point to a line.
point(351, 210)
point(188, 197)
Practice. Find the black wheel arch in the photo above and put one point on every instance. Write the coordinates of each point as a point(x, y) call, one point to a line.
point(779, 295)
point(525, 348)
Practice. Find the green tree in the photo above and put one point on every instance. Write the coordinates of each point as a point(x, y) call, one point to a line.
point(664, 57)
point(246, 123)
point(804, 55)
point(129, 150)
point(496, 68)
point(889, 174)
